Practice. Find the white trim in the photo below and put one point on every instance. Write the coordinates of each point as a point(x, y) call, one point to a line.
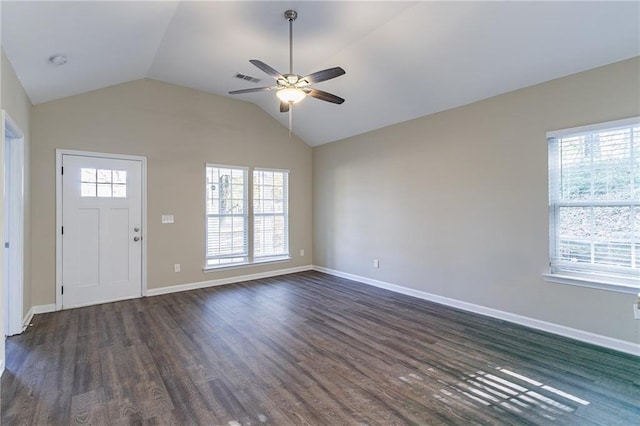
point(591, 282)
point(58, 226)
point(13, 213)
point(43, 309)
point(38, 309)
point(583, 336)
point(269, 169)
point(143, 161)
point(593, 127)
point(16, 132)
point(224, 281)
point(1, 367)
point(245, 264)
point(27, 319)
point(227, 166)
point(99, 302)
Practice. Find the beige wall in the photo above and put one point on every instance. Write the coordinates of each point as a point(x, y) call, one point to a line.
point(455, 203)
point(178, 130)
point(16, 103)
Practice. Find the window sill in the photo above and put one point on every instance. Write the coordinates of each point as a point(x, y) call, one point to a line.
point(619, 286)
point(246, 264)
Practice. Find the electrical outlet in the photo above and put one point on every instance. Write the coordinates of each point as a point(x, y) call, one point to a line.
point(176, 267)
point(301, 252)
point(376, 263)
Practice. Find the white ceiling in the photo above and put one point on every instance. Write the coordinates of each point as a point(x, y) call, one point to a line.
point(403, 60)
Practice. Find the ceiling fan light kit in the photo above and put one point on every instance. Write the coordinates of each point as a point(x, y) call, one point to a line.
point(291, 88)
point(291, 95)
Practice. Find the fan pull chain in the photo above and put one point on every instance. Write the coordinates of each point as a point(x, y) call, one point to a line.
point(290, 120)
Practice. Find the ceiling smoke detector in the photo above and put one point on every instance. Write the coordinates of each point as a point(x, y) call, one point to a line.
point(58, 59)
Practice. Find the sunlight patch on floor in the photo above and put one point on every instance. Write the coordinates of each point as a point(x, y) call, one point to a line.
point(516, 392)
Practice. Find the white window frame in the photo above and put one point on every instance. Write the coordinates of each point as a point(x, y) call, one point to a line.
point(249, 222)
point(274, 256)
point(245, 215)
point(599, 278)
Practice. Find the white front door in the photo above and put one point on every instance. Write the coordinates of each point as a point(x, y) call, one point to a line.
point(101, 230)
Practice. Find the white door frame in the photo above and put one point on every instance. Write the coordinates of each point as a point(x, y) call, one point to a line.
point(59, 154)
point(13, 213)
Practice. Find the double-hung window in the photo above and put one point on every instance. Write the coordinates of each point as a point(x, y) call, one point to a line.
point(270, 214)
point(242, 226)
point(227, 216)
point(594, 208)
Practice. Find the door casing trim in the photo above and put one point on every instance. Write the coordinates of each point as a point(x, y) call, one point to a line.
point(143, 161)
point(14, 294)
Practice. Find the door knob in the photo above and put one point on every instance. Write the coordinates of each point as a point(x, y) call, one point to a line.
point(136, 238)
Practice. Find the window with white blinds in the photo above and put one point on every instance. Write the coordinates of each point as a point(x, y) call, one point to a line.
point(234, 234)
point(227, 216)
point(594, 188)
point(270, 214)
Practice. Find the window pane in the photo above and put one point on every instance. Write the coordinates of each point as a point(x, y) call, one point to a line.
point(119, 191)
point(575, 222)
point(594, 182)
point(612, 224)
point(87, 175)
point(270, 221)
point(226, 233)
point(87, 189)
point(119, 176)
point(104, 189)
point(104, 176)
point(575, 251)
point(278, 206)
point(613, 254)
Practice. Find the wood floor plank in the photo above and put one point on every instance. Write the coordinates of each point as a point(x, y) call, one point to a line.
point(305, 349)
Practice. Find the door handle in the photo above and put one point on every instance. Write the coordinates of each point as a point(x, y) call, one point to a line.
point(137, 238)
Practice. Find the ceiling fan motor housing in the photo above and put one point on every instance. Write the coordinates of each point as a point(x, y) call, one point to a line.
point(291, 15)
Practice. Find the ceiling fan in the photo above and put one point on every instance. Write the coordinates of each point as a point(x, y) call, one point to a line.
point(292, 88)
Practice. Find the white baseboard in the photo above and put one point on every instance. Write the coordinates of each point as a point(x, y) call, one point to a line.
point(27, 319)
point(43, 309)
point(38, 309)
point(583, 336)
point(223, 281)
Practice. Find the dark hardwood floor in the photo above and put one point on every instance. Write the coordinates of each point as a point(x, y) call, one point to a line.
point(310, 349)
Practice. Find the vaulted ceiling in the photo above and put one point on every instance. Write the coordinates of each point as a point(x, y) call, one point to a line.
point(402, 59)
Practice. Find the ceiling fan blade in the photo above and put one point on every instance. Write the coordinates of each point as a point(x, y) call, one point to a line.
point(267, 69)
point(324, 75)
point(284, 106)
point(253, 89)
point(324, 96)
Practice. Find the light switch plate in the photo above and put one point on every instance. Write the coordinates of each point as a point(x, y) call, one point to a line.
point(167, 218)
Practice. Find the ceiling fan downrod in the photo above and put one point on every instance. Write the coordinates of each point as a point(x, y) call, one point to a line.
point(291, 15)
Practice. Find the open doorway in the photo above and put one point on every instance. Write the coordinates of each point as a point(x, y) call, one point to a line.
point(13, 226)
